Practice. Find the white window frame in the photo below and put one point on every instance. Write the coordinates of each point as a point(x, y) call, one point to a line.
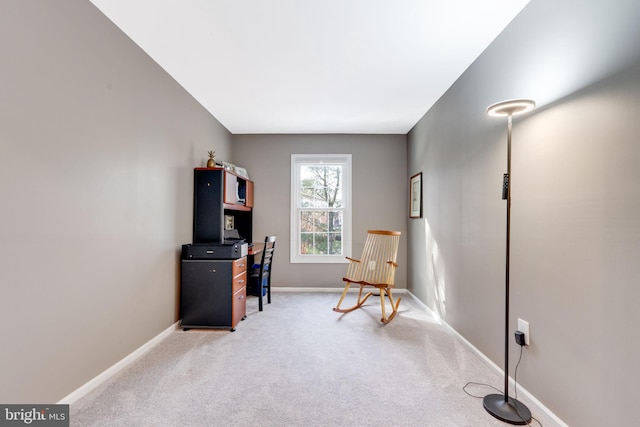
point(297, 160)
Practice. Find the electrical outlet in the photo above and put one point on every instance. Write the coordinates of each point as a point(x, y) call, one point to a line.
point(523, 326)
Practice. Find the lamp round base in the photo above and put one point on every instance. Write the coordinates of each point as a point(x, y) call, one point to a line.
point(512, 412)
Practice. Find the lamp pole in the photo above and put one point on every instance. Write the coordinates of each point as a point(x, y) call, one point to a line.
point(507, 263)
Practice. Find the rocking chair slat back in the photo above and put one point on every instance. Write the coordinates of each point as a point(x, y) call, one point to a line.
point(378, 262)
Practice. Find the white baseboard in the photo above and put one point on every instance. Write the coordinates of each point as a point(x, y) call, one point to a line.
point(528, 398)
point(108, 373)
point(332, 290)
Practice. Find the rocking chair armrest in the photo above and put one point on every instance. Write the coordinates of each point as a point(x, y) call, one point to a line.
point(352, 259)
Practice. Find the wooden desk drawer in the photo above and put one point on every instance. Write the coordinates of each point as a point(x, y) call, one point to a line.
point(239, 282)
point(239, 266)
point(239, 306)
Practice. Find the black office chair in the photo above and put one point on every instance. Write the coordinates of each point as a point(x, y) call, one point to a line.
point(261, 277)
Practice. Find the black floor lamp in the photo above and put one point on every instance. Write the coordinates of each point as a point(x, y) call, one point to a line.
point(502, 406)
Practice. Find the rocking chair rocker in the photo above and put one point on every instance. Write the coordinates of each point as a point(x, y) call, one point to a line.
point(376, 268)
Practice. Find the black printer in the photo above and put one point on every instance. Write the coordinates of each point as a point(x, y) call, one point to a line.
point(227, 249)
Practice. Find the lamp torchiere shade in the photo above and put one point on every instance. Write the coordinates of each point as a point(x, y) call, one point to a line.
point(502, 406)
point(511, 107)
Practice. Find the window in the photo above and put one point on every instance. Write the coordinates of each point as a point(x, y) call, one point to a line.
point(320, 208)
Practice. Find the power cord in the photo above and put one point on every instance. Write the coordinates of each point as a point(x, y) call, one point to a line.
point(480, 384)
point(515, 385)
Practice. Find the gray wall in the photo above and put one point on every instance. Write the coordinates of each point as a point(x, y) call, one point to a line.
point(380, 195)
point(576, 205)
point(97, 146)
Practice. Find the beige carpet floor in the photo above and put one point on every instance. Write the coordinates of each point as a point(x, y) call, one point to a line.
point(298, 363)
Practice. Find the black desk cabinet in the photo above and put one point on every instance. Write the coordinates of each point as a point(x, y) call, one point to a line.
point(213, 293)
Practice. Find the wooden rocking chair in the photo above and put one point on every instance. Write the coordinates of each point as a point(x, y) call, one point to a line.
point(376, 268)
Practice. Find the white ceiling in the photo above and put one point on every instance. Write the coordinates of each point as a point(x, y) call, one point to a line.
point(314, 66)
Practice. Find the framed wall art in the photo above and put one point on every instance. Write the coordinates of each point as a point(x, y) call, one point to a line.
point(415, 196)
